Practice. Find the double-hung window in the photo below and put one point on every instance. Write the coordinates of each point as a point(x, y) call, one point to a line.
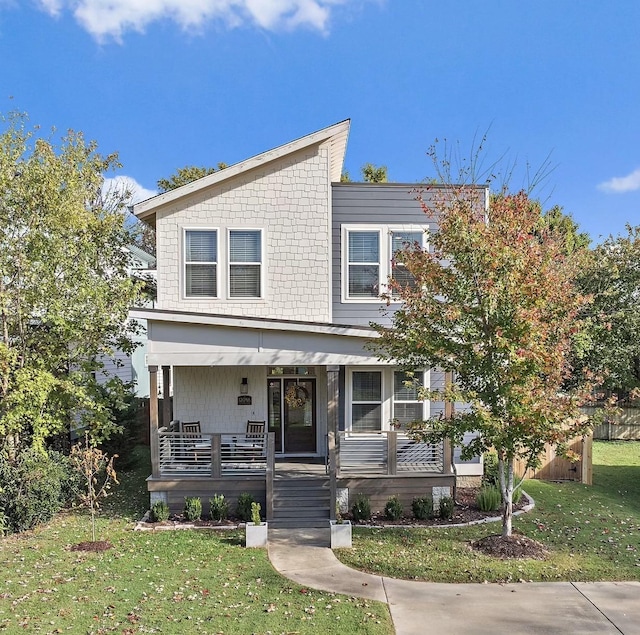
point(201, 263)
point(401, 240)
point(372, 255)
point(363, 264)
point(366, 400)
point(407, 406)
point(245, 263)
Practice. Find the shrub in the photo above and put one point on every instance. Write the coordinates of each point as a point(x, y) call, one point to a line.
point(361, 509)
point(517, 495)
point(488, 499)
point(192, 508)
point(255, 513)
point(159, 512)
point(32, 488)
point(490, 470)
point(243, 509)
point(446, 507)
point(393, 509)
point(422, 508)
point(219, 508)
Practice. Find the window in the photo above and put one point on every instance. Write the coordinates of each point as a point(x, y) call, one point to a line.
point(368, 261)
point(245, 263)
point(201, 261)
point(407, 405)
point(364, 264)
point(401, 240)
point(366, 401)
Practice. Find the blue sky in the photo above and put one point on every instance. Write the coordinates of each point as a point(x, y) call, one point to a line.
point(168, 83)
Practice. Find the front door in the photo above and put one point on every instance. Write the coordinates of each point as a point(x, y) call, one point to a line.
point(292, 414)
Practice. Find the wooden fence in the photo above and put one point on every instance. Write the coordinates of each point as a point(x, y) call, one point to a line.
point(623, 426)
point(557, 468)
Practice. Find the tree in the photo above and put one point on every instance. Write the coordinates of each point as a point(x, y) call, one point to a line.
point(494, 300)
point(370, 174)
point(64, 285)
point(611, 342)
point(97, 472)
point(564, 227)
point(185, 175)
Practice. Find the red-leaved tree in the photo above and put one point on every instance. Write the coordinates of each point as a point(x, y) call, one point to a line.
point(493, 299)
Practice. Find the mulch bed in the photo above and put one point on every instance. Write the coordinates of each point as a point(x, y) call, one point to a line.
point(514, 546)
point(464, 512)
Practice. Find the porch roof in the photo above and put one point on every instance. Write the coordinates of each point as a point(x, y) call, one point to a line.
point(196, 339)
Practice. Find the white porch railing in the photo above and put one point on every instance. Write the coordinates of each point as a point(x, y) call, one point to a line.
point(387, 452)
point(215, 455)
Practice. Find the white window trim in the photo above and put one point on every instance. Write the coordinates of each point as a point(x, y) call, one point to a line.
point(384, 389)
point(263, 265)
point(183, 256)
point(387, 395)
point(426, 410)
point(385, 230)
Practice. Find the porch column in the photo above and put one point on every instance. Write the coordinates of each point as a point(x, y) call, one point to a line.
point(166, 396)
point(153, 421)
point(448, 414)
point(333, 395)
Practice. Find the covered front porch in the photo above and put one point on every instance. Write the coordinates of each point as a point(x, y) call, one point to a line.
point(295, 378)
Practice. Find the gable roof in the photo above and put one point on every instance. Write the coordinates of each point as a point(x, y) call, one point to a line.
point(336, 135)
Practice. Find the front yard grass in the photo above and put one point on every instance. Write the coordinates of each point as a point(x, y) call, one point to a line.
point(591, 532)
point(166, 582)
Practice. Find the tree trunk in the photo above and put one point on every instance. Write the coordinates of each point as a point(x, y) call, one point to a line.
point(505, 464)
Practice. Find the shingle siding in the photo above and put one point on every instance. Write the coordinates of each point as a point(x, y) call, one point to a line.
point(289, 200)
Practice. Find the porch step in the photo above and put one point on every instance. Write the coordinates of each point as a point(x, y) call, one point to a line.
point(300, 502)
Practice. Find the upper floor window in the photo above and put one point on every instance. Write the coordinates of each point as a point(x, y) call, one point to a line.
point(245, 263)
point(364, 264)
point(369, 261)
point(401, 240)
point(201, 263)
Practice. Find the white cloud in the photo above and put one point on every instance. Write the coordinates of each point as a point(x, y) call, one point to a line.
point(619, 184)
point(127, 187)
point(112, 18)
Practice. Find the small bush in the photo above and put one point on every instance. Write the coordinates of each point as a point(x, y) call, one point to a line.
point(192, 508)
point(361, 509)
point(422, 508)
point(446, 507)
point(393, 509)
point(159, 512)
point(516, 496)
point(255, 513)
point(219, 508)
point(33, 488)
point(243, 509)
point(490, 470)
point(488, 499)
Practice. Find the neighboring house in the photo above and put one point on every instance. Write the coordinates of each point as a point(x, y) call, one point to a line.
point(132, 368)
point(268, 275)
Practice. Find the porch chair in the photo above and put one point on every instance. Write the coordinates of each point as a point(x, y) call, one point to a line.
point(191, 434)
point(255, 437)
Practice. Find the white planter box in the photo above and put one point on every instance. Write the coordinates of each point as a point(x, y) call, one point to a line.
point(256, 535)
point(340, 534)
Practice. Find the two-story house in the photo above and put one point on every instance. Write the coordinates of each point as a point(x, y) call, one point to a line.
point(269, 273)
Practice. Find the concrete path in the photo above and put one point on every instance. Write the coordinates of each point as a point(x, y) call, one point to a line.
point(554, 608)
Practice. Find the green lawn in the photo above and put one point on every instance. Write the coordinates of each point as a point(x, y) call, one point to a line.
point(592, 532)
point(165, 582)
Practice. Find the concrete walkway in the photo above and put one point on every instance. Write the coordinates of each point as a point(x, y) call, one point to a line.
point(304, 556)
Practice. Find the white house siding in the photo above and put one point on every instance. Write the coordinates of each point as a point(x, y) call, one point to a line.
point(210, 395)
point(289, 199)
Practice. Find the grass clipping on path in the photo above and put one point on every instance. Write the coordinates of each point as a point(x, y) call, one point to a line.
point(591, 533)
